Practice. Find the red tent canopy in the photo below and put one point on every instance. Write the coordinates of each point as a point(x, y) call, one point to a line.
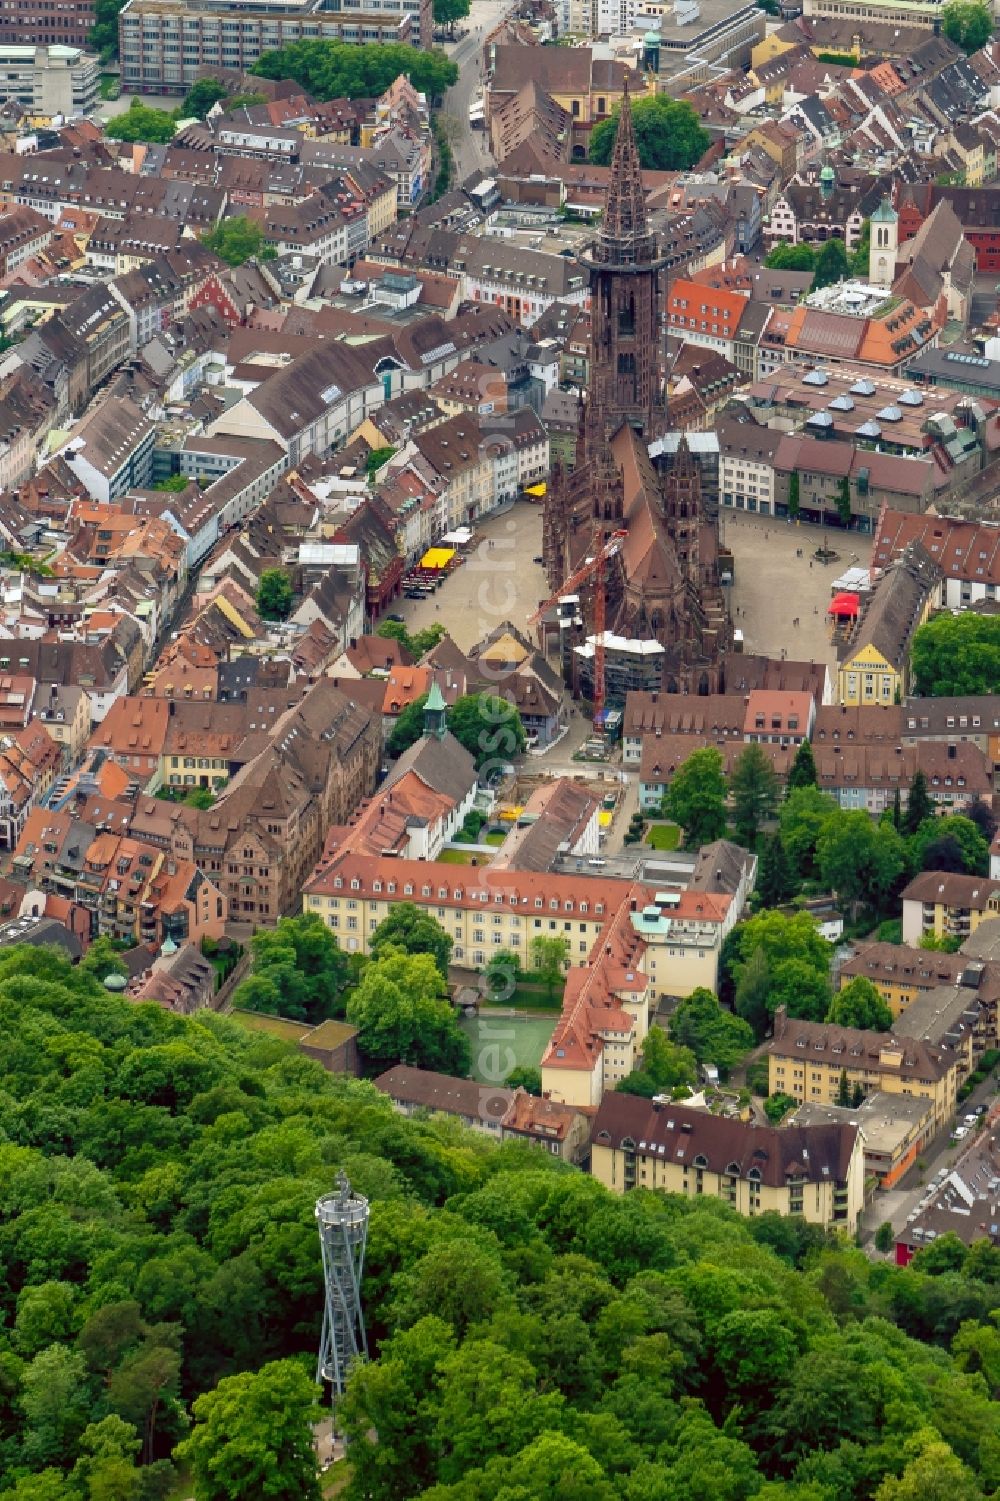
point(844, 604)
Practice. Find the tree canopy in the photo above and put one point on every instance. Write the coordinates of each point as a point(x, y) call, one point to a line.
point(402, 1013)
point(447, 12)
point(140, 123)
point(858, 1004)
point(668, 134)
point(957, 655)
point(696, 798)
point(237, 239)
point(410, 928)
point(340, 70)
point(755, 791)
point(298, 971)
point(967, 23)
point(776, 960)
point(535, 1337)
point(201, 96)
point(103, 35)
point(711, 1034)
point(489, 727)
point(831, 265)
point(785, 257)
point(274, 594)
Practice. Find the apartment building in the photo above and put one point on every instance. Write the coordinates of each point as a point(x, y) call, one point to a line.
point(899, 973)
point(947, 904)
point(49, 80)
point(813, 1171)
point(165, 44)
point(813, 1061)
point(23, 232)
point(111, 450)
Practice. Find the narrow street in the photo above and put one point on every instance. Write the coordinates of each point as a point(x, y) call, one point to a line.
point(470, 147)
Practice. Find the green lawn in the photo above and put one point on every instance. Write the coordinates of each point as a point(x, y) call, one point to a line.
point(496, 839)
point(456, 857)
point(663, 836)
point(109, 86)
point(495, 1038)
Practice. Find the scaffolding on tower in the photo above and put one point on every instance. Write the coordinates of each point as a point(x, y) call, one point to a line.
point(593, 568)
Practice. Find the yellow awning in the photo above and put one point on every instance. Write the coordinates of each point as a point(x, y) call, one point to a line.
point(537, 490)
point(437, 557)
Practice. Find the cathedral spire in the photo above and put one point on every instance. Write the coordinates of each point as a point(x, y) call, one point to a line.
point(624, 234)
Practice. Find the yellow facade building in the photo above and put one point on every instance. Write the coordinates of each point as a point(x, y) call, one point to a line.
point(947, 904)
point(814, 1062)
point(901, 973)
point(629, 946)
point(815, 1171)
point(876, 666)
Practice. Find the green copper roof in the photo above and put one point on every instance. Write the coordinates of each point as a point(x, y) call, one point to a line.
point(435, 699)
point(885, 213)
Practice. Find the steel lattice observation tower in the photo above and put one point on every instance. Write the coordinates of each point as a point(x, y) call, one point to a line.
point(342, 1219)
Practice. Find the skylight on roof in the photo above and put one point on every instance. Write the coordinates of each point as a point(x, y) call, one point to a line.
point(869, 430)
point(890, 414)
point(815, 378)
point(863, 387)
point(910, 398)
point(842, 404)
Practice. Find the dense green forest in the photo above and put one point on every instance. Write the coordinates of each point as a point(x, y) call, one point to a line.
point(536, 1336)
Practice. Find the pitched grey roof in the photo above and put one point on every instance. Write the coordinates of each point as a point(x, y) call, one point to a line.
point(443, 765)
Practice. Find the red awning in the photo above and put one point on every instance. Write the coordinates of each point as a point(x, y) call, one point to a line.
point(844, 604)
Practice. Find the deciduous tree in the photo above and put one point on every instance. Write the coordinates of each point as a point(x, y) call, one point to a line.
point(957, 655)
point(140, 123)
point(785, 257)
point(831, 265)
point(274, 592)
point(967, 23)
point(340, 70)
point(712, 1035)
point(858, 1004)
point(410, 928)
point(252, 1436)
point(402, 1016)
point(489, 727)
point(549, 957)
point(447, 12)
point(668, 134)
point(696, 798)
point(201, 96)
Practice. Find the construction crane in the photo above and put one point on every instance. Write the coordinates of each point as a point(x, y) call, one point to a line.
point(592, 567)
